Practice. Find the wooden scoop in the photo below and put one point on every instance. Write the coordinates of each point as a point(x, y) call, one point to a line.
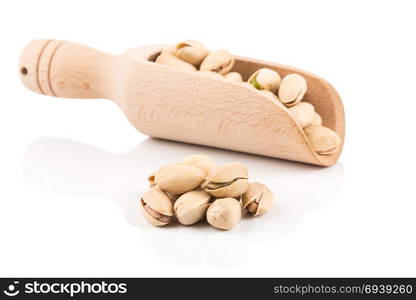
point(185, 106)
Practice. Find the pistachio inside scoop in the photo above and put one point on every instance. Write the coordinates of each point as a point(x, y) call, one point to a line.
point(255, 83)
point(155, 214)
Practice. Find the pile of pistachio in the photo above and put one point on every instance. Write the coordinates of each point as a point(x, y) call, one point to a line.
point(193, 56)
point(197, 188)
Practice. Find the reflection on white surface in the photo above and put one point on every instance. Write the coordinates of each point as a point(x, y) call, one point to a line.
point(71, 168)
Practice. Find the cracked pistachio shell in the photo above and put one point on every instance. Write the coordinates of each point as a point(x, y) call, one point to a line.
point(206, 163)
point(317, 120)
point(324, 140)
point(156, 207)
point(151, 179)
point(257, 199)
point(229, 180)
point(233, 189)
point(292, 89)
point(233, 77)
point(265, 79)
point(179, 178)
point(224, 213)
point(211, 74)
point(192, 206)
point(303, 113)
point(192, 52)
point(220, 61)
point(228, 172)
point(172, 61)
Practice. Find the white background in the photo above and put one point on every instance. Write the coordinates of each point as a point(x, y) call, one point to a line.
point(71, 171)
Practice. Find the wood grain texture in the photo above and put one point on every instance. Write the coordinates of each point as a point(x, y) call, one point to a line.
point(180, 105)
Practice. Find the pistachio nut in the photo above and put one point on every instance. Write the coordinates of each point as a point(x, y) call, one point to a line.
point(317, 120)
point(205, 163)
point(192, 52)
point(224, 213)
point(172, 61)
point(257, 199)
point(156, 207)
point(192, 206)
point(211, 74)
point(220, 61)
point(265, 79)
point(292, 89)
point(229, 180)
point(233, 77)
point(179, 178)
point(303, 113)
point(324, 140)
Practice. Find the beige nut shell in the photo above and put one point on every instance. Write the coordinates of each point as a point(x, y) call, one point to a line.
point(191, 207)
point(292, 89)
point(235, 189)
point(175, 62)
point(260, 192)
point(224, 213)
point(228, 172)
point(267, 79)
point(220, 61)
point(324, 140)
point(303, 113)
point(236, 174)
point(233, 77)
point(158, 201)
point(201, 161)
point(179, 178)
point(191, 51)
point(317, 120)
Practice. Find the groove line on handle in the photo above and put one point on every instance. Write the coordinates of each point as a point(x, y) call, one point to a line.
point(37, 65)
point(50, 66)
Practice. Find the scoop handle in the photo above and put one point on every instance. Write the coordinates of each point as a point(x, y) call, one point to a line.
point(63, 69)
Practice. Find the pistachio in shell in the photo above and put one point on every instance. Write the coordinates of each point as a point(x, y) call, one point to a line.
point(317, 120)
point(191, 51)
point(220, 61)
point(233, 77)
point(257, 199)
point(175, 62)
point(265, 79)
point(292, 89)
point(204, 162)
point(170, 49)
point(156, 207)
point(179, 178)
point(324, 140)
point(224, 213)
point(191, 207)
point(229, 180)
point(303, 113)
